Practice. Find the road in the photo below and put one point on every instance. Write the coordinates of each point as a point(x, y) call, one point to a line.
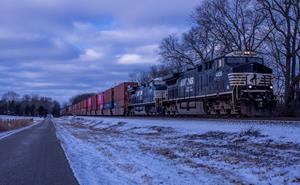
point(34, 157)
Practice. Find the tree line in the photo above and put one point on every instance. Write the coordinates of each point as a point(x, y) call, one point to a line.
point(270, 28)
point(28, 105)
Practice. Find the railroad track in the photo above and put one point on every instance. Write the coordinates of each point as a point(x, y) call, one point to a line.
point(208, 118)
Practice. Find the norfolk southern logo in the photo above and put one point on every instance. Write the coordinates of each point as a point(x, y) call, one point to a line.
point(254, 79)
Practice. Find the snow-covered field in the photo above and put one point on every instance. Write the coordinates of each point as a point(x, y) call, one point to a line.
point(156, 151)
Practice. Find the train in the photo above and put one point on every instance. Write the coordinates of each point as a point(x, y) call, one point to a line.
point(238, 83)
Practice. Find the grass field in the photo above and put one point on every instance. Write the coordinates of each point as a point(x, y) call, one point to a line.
point(11, 124)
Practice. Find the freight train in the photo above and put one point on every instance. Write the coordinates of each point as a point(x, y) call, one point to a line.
point(235, 84)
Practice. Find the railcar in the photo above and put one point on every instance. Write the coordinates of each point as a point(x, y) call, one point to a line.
point(121, 98)
point(89, 106)
point(108, 102)
point(148, 99)
point(94, 102)
point(100, 104)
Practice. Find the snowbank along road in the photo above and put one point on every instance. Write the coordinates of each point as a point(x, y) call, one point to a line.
point(34, 157)
point(152, 151)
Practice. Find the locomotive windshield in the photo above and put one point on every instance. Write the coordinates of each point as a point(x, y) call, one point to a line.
point(255, 59)
point(233, 61)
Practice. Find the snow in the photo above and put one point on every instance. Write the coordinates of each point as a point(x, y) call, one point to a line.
point(185, 151)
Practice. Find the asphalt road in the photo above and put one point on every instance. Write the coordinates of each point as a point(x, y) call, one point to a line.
point(34, 157)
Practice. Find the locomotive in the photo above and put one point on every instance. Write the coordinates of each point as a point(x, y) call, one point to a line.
point(235, 84)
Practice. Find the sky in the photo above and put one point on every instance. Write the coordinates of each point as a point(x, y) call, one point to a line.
point(60, 48)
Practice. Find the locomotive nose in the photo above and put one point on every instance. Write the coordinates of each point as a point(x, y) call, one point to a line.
point(252, 68)
point(251, 75)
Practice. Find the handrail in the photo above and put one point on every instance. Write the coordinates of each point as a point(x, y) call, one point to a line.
point(235, 86)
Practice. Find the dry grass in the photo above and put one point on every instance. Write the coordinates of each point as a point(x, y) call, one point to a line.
point(10, 124)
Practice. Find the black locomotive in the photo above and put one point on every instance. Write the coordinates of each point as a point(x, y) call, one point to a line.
point(236, 84)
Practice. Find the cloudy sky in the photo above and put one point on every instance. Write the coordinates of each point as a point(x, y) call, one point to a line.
point(60, 48)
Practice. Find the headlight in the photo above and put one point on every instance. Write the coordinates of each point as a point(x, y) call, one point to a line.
point(271, 87)
point(250, 86)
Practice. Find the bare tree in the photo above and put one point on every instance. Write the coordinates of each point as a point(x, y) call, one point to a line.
point(157, 71)
point(10, 96)
point(219, 27)
point(145, 76)
point(56, 109)
point(142, 77)
point(284, 16)
point(238, 25)
point(200, 44)
point(29, 105)
point(174, 53)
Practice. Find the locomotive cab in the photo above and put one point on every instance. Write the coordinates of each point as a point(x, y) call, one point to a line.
point(147, 99)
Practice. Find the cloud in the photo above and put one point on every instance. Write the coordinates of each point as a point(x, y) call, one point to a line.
point(128, 59)
point(59, 48)
point(152, 48)
point(91, 54)
point(34, 47)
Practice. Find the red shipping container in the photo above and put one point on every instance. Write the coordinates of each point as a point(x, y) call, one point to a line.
point(79, 108)
point(100, 103)
point(76, 107)
point(84, 103)
point(83, 107)
point(121, 97)
point(94, 102)
point(121, 90)
point(108, 101)
point(89, 103)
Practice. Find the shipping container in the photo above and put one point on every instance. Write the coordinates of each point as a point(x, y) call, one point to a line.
point(89, 106)
point(121, 97)
point(77, 109)
point(100, 103)
point(94, 105)
point(80, 106)
point(108, 101)
point(83, 107)
point(74, 109)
